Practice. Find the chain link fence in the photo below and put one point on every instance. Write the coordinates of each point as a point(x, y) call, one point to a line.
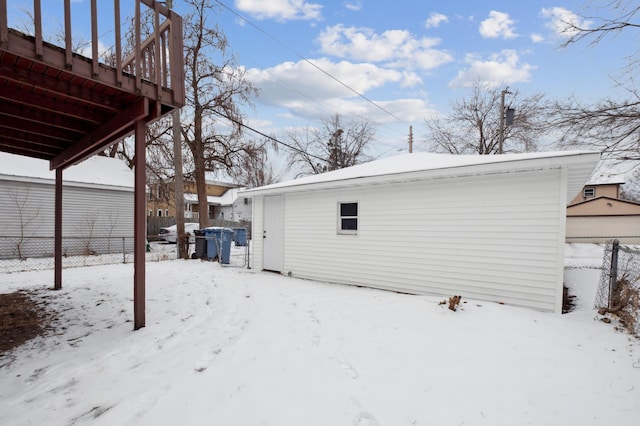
point(618, 291)
point(19, 254)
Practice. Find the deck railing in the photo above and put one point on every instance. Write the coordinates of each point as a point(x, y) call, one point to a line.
point(154, 56)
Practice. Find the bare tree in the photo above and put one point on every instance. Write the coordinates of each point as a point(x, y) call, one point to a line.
point(27, 215)
point(627, 19)
point(109, 226)
point(88, 224)
point(473, 126)
point(611, 125)
point(212, 122)
point(215, 86)
point(256, 169)
point(333, 146)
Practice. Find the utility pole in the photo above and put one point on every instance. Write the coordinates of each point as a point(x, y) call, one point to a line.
point(182, 241)
point(502, 116)
point(410, 139)
point(335, 149)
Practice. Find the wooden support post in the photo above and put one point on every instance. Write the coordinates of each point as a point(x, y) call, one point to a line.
point(118, 42)
point(37, 21)
point(57, 236)
point(4, 25)
point(68, 53)
point(178, 181)
point(94, 39)
point(140, 225)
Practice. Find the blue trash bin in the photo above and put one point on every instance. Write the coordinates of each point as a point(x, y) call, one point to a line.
point(240, 236)
point(212, 243)
point(219, 243)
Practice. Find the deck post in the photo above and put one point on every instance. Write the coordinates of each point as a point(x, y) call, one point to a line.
point(4, 25)
point(139, 224)
point(57, 233)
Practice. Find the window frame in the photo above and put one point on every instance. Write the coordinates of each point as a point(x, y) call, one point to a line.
point(591, 190)
point(340, 217)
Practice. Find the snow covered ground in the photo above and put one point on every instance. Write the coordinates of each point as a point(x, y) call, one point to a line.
point(232, 346)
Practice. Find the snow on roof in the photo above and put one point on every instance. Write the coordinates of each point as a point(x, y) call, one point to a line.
point(226, 199)
point(612, 171)
point(417, 162)
point(96, 170)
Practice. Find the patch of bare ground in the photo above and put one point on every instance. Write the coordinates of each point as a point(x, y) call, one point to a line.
point(24, 315)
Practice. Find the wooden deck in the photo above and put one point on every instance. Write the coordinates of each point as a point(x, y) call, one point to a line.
point(62, 107)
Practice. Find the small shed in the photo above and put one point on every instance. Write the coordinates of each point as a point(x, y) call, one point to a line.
point(484, 227)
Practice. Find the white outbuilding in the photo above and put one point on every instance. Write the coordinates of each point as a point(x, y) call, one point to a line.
point(483, 227)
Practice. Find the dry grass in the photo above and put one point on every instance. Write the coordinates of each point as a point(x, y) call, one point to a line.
point(23, 316)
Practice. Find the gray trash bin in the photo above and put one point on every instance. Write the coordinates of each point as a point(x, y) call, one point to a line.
point(201, 244)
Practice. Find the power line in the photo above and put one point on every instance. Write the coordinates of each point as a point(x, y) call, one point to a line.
point(271, 138)
point(380, 107)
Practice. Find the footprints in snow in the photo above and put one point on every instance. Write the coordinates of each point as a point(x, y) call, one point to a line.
point(348, 369)
point(366, 419)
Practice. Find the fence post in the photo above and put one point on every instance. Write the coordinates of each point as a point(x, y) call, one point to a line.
point(613, 271)
point(124, 252)
point(248, 254)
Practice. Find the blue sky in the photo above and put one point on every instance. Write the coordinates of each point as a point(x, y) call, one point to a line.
point(412, 59)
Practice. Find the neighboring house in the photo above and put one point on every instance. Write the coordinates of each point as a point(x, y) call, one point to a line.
point(221, 198)
point(600, 213)
point(484, 227)
point(97, 200)
point(233, 207)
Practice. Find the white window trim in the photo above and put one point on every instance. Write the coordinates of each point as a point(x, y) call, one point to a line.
point(592, 191)
point(341, 231)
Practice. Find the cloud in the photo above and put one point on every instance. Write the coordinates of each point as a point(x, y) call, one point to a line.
point(281, 10)
point(290, 81)
point(499, 68)
point(497, 25)
point(308, 92)
point(395, 48)
point(86, 49)
point(537, 38)
point(560, 21)
point(411, 110)
point(435, 19)
point(354, 6)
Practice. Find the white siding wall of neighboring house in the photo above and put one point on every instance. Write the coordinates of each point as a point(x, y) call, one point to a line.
point(491, 237)
point(236, 212)
point(87, 212)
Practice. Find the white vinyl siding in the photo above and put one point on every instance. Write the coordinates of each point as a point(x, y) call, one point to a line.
point(491, 237)
point(257, 244)
point(108, 211)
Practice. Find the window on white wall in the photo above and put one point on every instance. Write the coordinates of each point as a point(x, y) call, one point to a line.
point(347, 218)
point(159, 212)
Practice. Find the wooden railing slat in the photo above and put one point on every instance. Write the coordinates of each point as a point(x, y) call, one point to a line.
point(157, 60)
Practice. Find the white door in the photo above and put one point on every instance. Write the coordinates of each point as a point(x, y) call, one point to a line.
point(273, 233)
